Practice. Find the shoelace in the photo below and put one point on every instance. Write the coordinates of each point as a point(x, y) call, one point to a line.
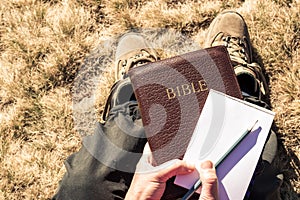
point(260, 79)
point(236, 49)
point(136, 60)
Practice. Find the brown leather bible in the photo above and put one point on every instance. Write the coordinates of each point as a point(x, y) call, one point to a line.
point(171, 94)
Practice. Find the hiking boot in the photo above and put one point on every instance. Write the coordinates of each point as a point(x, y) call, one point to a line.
point(132, 51)
point(120, 93)
point(229, 29)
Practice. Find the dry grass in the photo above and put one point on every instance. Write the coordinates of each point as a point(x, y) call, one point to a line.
point(43, 44)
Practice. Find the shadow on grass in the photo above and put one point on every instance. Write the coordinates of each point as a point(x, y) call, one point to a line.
point(288, 163)
point(286, 160)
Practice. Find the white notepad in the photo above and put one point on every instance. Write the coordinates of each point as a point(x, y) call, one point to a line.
point(222, 121)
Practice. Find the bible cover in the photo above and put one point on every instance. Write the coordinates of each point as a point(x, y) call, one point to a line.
point(171, 94)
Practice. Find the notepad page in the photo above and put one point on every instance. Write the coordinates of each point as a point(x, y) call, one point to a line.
point(222, 121)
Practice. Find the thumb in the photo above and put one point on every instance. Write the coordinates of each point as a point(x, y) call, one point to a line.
point(179, 167)
point(209, 180)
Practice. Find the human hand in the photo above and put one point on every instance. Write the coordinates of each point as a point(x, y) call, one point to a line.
point(208, 176)
point(151, 185)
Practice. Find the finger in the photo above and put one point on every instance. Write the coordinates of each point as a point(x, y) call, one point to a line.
point(147, 149)
point(147, 153)
point(209, 180)
point(144, 163)
point(179, 167)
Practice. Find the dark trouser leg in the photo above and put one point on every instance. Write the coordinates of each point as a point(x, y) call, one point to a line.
point(97, 170)
point(267, 180)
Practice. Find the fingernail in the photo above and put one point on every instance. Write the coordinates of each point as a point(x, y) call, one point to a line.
point(206, 165)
